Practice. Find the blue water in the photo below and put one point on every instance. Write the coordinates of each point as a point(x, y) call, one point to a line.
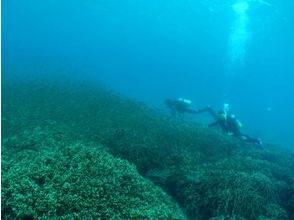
point(240, 52)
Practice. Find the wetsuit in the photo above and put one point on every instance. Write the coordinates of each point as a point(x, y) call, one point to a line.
point(230, 125)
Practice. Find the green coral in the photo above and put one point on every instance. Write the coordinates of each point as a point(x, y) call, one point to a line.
point(80, 181)
point(210, 175)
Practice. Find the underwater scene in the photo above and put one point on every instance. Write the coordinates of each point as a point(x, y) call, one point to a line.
point(136, 110)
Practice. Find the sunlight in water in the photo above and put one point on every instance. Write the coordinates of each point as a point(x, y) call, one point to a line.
point(239, 32)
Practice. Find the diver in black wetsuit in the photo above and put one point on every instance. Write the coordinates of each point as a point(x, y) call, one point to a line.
point(230, 124)
point(179, 106)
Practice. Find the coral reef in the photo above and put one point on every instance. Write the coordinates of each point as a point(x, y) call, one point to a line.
point(78, 150)
point(77, 181)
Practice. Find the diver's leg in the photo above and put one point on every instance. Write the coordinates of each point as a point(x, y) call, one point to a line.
point(252, 140)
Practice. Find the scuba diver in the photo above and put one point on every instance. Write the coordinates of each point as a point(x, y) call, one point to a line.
point(230, 124)
point(180, 106)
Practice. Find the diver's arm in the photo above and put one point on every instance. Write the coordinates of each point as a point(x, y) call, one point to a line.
point(202, 110)
point(207, 109)
point(192, 111)
point(198, 111)
point(212, 112)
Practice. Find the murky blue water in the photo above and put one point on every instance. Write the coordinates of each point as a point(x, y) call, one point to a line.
point(240, 52)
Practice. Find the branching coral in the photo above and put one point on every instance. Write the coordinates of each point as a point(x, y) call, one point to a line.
point(80, 181)
point(209, 174)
